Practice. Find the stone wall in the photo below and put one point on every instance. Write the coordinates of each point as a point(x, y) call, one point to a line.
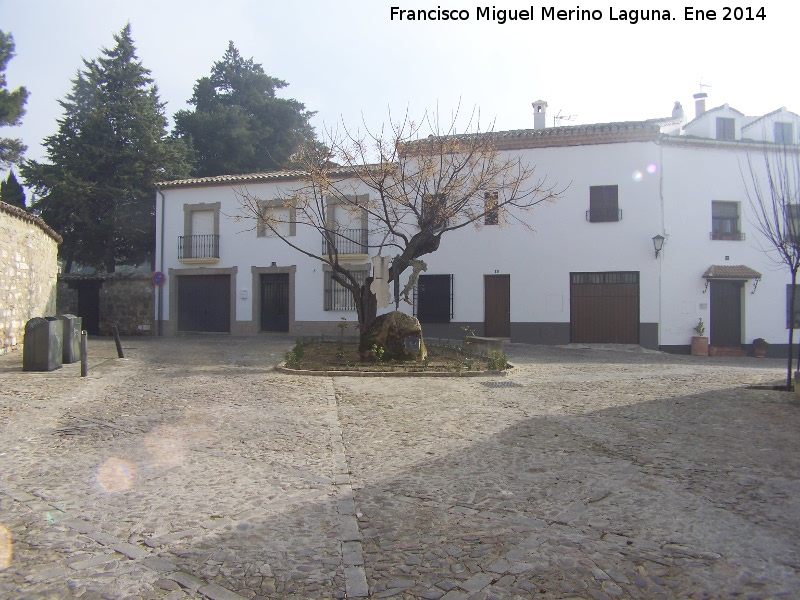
point(28, 271)
point(124, 300)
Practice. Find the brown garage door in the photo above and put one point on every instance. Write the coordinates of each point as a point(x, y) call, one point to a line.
point(604, 307)
point(204, 303)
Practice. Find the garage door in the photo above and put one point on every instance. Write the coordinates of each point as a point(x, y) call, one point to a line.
point(204, 303)
point(604, 307)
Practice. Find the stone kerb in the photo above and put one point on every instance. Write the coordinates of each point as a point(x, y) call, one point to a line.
point(28, 271)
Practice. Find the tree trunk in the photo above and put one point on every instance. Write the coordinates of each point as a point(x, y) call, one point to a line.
point(369, 305)
point(791, 332)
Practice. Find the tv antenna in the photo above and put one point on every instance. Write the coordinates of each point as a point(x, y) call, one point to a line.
point(559, 118)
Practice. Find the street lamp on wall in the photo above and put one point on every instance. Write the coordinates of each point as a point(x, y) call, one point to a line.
point(658, 243)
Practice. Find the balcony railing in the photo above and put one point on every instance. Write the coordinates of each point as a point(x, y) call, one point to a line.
point(347, 241)
point(737, 236)
point(198, 246)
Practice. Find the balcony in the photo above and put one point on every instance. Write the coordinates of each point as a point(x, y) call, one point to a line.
point(736, 236)
point(350, 242)
point(198, 249)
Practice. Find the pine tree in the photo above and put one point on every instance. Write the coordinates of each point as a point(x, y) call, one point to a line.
point(238, 124)
point(11, 191)
point(97, 190)
point(12, 106)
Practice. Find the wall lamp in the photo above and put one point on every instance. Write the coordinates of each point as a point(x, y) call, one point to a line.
point(658, 243)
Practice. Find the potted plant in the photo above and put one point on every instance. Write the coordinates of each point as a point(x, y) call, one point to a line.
point(760, 346)
point(699, 341)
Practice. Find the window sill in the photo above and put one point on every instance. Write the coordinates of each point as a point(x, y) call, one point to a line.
point(199, 261)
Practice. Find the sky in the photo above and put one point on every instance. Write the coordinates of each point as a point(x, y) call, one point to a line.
point(354, 65)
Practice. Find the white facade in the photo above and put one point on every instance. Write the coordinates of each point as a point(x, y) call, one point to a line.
point(662, 184)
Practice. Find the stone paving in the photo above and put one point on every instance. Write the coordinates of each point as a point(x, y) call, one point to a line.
point(191, 469)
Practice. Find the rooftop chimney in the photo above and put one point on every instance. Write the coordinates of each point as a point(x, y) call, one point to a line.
point(677, 111)
point(700, 103)
point(539, 114)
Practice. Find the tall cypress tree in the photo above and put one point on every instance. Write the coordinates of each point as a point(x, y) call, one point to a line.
point(239, 125)
point(12, 106)
point(11, 191)
point(97, 190)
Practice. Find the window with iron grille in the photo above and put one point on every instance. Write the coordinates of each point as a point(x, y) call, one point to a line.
point(338, 297)
point(796, 306)
point(492, 212)
point(604, 204)
point(784, 133)
point(433, 298)
point(725, 221)
point(726, 128)
point(793, 224)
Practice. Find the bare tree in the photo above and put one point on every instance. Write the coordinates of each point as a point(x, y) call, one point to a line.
point(417, 190)
point(772, 181)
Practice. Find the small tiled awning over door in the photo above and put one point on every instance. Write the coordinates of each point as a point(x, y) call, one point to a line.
point(731, 273)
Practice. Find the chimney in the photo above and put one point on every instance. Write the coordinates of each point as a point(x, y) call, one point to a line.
point(700, 103)
point(539, 114)
point(677, 111)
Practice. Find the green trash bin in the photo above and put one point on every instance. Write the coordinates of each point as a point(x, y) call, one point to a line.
point(71, 338)
point(41, 350)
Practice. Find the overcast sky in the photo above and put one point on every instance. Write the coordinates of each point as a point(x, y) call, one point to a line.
point(347, 60)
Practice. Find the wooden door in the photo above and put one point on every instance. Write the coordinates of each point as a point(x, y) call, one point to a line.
point(726, 314)
point(89, 306)
point(497, 306)
point(604, 308)
point(204, 303)
point(275, 302)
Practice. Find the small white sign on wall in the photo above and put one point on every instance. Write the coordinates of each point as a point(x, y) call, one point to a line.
point(243, 294)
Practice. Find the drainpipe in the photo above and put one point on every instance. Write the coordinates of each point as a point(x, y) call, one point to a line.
point(161, 268)
point(664, 233)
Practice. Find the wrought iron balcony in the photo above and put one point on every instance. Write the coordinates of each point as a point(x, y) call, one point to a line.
point(198, 246)
point(737, 236)
point(347, 241)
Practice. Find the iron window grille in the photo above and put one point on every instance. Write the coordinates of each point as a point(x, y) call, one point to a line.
point(346, 241)
point(198, 246)
point(492, 212)
point(433, 299)
point(338, 297)
point(789, 306)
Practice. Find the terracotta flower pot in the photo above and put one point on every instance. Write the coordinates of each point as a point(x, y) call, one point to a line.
point(699, 345)
point(760, 352)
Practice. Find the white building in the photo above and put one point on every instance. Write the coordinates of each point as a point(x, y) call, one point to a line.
point(589, 272)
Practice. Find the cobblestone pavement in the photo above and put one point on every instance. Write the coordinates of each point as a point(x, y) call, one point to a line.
point(191, 469)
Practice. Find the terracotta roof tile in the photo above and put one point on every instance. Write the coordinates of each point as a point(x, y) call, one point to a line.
point(740, 272)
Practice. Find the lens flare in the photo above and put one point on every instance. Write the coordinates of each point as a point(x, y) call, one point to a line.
point(6, 548)
point(637, 175)
point(652, 168)
point(115, 475)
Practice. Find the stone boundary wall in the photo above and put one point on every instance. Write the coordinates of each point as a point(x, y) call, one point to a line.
point(28, 271)
point(124, 300)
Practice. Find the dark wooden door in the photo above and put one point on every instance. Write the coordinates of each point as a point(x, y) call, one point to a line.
point(497, 305)
point(204, 303)
point(434, 293)
point(275, 302)
point(604, 308)
point(89, 306)
point(726, 314)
